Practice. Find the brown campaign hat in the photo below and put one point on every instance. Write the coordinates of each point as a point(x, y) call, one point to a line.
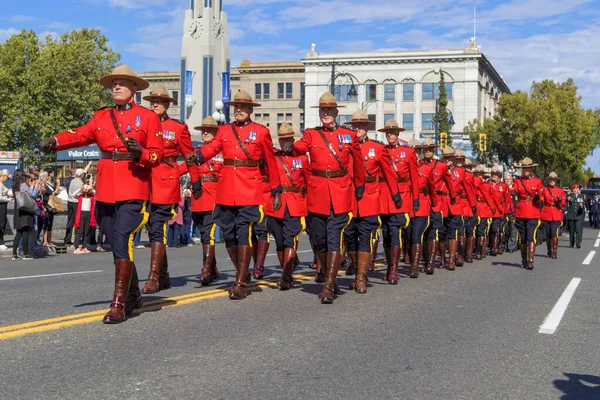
point(207, 123)
point(525, 163)
point(448, 152)
point(459, 153)
point(479, 168)
point(242, 97)
point(360, 117)
point(285, 131)
point(428, 143)
point(496, 170)
point(123, 72)
point(414, 143)
point(553, 175)
point(261, 121)
point(391, 126)
point(468, 162)
point(327, 100)
point(159, 93)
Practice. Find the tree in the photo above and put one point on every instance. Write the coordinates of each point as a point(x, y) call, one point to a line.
point(50, 86)
point(442, 115)
point(548, 124)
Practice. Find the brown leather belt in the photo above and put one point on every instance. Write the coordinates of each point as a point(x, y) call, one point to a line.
point(424, 190)
point(330, 173)
point(401, 180)
point(209, 178)
point(294, 189)
point(170, 159)
point(381, 180)
point(117, 155)
point(527, 198)
point(240, 163)
point(440, 193)
point(371, 179)
point(266, 179)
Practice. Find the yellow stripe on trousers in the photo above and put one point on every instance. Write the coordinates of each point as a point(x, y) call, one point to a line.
point(535, 231)
point(423, 234)
point(343, 229)
point(212, 234)
point(145, 216)
point(251, 226)
point(297, 236)
point(407, 218)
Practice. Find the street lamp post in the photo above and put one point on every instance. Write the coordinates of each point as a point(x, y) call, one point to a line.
point(349, 78)
point(218, 115)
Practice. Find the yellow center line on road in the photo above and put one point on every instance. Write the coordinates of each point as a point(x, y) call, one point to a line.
point(13, 331)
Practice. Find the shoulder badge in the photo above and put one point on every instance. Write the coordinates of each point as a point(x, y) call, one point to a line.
point(104, 108)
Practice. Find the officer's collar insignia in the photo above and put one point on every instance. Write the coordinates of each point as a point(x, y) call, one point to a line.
point(332, 129)
point(123, 107)
point(163, 118)
point(364, 140)
point(247, 122)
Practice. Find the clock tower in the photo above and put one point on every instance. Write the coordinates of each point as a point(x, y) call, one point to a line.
point(204, 59)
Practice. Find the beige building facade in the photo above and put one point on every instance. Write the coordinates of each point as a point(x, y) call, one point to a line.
point(170, 80)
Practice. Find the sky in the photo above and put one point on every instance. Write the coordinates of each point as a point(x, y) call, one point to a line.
point(526, 40)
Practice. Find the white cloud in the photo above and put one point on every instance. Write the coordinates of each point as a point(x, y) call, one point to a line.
point(58, 25)
point(22, 18)
point(271, 52)
point(6, 33)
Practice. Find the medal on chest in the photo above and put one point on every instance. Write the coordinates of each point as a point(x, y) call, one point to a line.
point(371, 152)
point(169, 135)
point(138, 121)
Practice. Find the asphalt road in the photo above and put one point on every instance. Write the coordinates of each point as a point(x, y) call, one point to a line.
point(469, 334)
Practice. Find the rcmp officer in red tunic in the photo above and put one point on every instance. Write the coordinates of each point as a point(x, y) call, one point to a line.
point(166, 191)
point(502, 195)
point(330, 190)
point(529, 189)
point(361, 231)
point(486, 207)
point(239, 201)
point(130, 138)
point(472, 220)
point(554, 199)
point(287, 223)
point(203, 203)
point(467, 211)
point(396, 218)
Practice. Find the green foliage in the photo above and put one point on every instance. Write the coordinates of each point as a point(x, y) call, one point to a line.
point(548, 124)
point(50, 86)
point(442, 116)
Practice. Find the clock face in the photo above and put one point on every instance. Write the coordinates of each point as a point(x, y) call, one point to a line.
point(195, 29)
point(218, 29)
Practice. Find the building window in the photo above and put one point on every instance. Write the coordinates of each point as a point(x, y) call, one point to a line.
point(427, 122)
point(372, 117)
point(138, 98)
point(279, 120)
point(280, 93)
point(344, 119)
point(388, 117)
point(408, 121)
point(302, 119)
point(371, 91)
point(266, 91)
point(408, 91)
point(257, 91)
point(288, 118)
point(266, 117)
point(176, 97)
point(341, 93)
point(428, 91)
point(302, 85)
point(289, 90)
point(432, 91)
point(448, 86)
point(389, 90)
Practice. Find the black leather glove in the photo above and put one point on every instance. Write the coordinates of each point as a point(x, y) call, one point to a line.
point(493, 211)
point(474, 209)
point(197, 189)
point(416, 205)
point(453, 200)
point(287, 148)
point(398, 203)
point(191, 159)
point(134, 148)
point(49, 145)
point(359, 196)
point(277, 201)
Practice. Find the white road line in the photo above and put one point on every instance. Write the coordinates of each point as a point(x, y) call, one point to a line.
point(588, 259)
point(275, 254)
point(599, 235)
point(597, 244)
point(553, 319)
point(44, 276)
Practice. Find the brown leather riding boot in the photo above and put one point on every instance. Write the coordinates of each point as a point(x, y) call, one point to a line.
point(406, 250)
point(374, 246)
point(501, 244)
point(238, 290)
point(549, 247)
point(555, 248)
point(262, 247)
point(530, 254)
point(321, 267)
point(123, 271)
point(209, 274)
point(351, 265)
point(361, 271)
point(280, 257)
point(415, 256)
point(134, 296)
point(394, 259)
point(460, 251)
point(452, 247)
point(494, 239)
point(157, 253)
point(481, 247)
point(442, 248)
point(486, 241)
point(164, 280)
point(432, 247)
point(329, 287)
point(289, 256)
point(469, 251)
point(233, 255)
point(523, 255)
point(387, 251)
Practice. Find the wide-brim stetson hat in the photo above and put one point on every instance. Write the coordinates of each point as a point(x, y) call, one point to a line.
point(468, 162)
point(553, 175)
point(123, 72)
point(496, 170)
point(525, 163)
point(448, 152)
point(428, 143)
point(160, 93)
point(243, 98)
point(479, 169)
point(327, 100)
point(360, 117)
point(285, 131)
point(459, 154)
point(207, 123)
point(414, 143)
point(391, 126)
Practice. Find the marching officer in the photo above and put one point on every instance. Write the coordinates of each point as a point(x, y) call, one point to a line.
point(329, 197)
point(503, 202)
point(396, 216)
point(510, 230)
point(575, 215)
point(166, 191)
point(239, 200)
point(363, 228)
point(595, 210)
point(130, 138)
point(486, 208)
point(445, 194)
point(287, 223)
point(554, 199)
point(467, 211)
point(204, 202)
point(529, 189)
point(472, 220)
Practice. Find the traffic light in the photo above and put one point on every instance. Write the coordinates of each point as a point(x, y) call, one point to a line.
point(482, 142)
point(443, 140)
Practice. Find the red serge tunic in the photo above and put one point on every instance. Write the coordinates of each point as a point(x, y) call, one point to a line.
point(501, 194)
point(405, 161)
point(165, 177)
point(427, 195)
point(242, 185)
point(469, 180)
point(463, 190)
point(485, 198)
point(444, 189)
point(337, 192)
point(210, 174)
point(125, 179)
point(554, 200)
point(529, 191)
point(294, 193)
